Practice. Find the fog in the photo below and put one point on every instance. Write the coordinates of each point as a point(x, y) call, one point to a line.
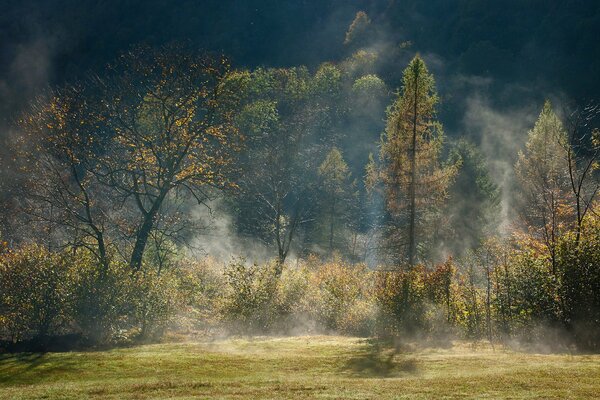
point(256, 234)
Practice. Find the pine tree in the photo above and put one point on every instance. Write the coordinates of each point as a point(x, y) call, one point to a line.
point(543, 175)
point(415, 181)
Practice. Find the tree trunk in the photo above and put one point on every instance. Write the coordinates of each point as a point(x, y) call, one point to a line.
point(102, 252)
point(413, 177)
point(140, 243)
point(143, 233)
point(488, 303)
point(331, 222)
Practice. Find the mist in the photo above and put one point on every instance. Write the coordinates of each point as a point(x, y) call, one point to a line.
point(297, 194)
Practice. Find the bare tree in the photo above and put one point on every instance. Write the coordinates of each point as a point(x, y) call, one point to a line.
point(57, 151)
point(583, 160)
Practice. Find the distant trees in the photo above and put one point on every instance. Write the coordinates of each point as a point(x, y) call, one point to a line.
point(113, 164)
point(472, 212)
point(358, 29)
point(415, 182)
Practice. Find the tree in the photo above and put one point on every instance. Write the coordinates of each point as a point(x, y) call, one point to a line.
point(337, 197)
point(58, 148)
point(158, 123)
point(542, 171)
point(358, 30)
point(171, 129)
point(415, 183)
point(473, 207)
point(583, 160)
point(284, 113)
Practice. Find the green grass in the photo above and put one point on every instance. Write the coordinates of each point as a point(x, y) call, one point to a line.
point(298, 367)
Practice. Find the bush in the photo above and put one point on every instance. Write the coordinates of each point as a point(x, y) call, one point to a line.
point(34, 293)
point(46, 294)
point(249, 302)
point(401, 299)
point(342, 298)
point(201, 288)
point(578, 263)
point(330, 297)
point(153, 299)
point(531, 290)
point(100, 299)
point(291, 303)
point(418, 302)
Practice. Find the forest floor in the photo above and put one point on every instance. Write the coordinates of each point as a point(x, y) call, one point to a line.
point(298, 367)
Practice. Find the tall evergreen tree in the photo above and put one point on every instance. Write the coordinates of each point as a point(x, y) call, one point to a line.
point(415, 182)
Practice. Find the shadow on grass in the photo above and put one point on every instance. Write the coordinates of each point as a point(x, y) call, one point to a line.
point(381, 359)
point(18, 368)
point(14, 365)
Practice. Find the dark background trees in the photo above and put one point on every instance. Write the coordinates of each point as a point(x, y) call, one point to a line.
point(554, 41)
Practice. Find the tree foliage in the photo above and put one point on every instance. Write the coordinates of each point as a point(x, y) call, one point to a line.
point(114, 149)
point(543, 175)
point(415, 182)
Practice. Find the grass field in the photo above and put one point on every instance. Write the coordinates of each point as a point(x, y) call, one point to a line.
point(298, 367)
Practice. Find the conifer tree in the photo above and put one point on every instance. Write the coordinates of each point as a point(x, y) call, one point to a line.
point(543, 175)
point(415, 183)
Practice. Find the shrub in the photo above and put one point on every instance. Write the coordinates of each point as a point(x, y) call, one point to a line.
point(471, 316)
point(401, 299)
point(34, 293)
point(578, 263)
point(418, 302)
point(291, 308)
point(532, 292)
point(100, 298)
point(249, 298)
point(342, 298)
point(201, 288)
point(45, 294)
point(153, 299)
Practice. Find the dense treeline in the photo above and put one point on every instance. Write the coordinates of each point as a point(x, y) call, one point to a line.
point(503, 292)
point(474, 36)
point(397, 237)
point(518, 51)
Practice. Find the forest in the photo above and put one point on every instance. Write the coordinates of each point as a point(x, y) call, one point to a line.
point(405, 183)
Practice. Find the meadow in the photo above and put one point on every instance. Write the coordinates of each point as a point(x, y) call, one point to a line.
point(325, 367)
